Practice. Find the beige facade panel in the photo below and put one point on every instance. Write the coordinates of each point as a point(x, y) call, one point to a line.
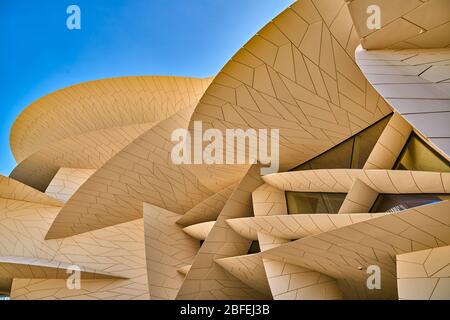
point(268, 241)
point(403, 23)
point(23, 226)
point(85, 151)
point(208, 280)
point(249, 269)
point(217, 177)
point(98, 105)
point(199, 231)
point(345, 253)
point(112, 250)
point(268, 201)
point(117, 250)
point(140, 226)
point(95, 125)
point(56, 289)
point(15, 190)
point(66, 182)
point(141, 172)
point(297, 74)
point(184, 269)
point(295, 226)
point(341, 180)
point(207, 210)
point(23, 268)
point(424, 274)
point(390, 144)
point(360, 198)
point(291, 282)
point(168, 249)
point(414, 83)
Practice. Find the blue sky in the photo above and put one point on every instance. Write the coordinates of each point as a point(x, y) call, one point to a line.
point(39, 55)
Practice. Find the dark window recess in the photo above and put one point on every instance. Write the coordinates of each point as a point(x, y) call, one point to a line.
point(5, 288)
point(418, 156)
point(351, 153)
point(310, 202)
point(254, 247)
point(399, 202)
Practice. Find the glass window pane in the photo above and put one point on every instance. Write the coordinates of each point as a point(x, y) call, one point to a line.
point(352, 153)
point(338, 157)
point(418, 156)
point(304, 203)
point(309, 202)
point(365, 141)
point(5, 288)
point(305, 166)
point(398, 202)
point(333, 201)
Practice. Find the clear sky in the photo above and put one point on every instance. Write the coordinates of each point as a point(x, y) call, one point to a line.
point(39, 55)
